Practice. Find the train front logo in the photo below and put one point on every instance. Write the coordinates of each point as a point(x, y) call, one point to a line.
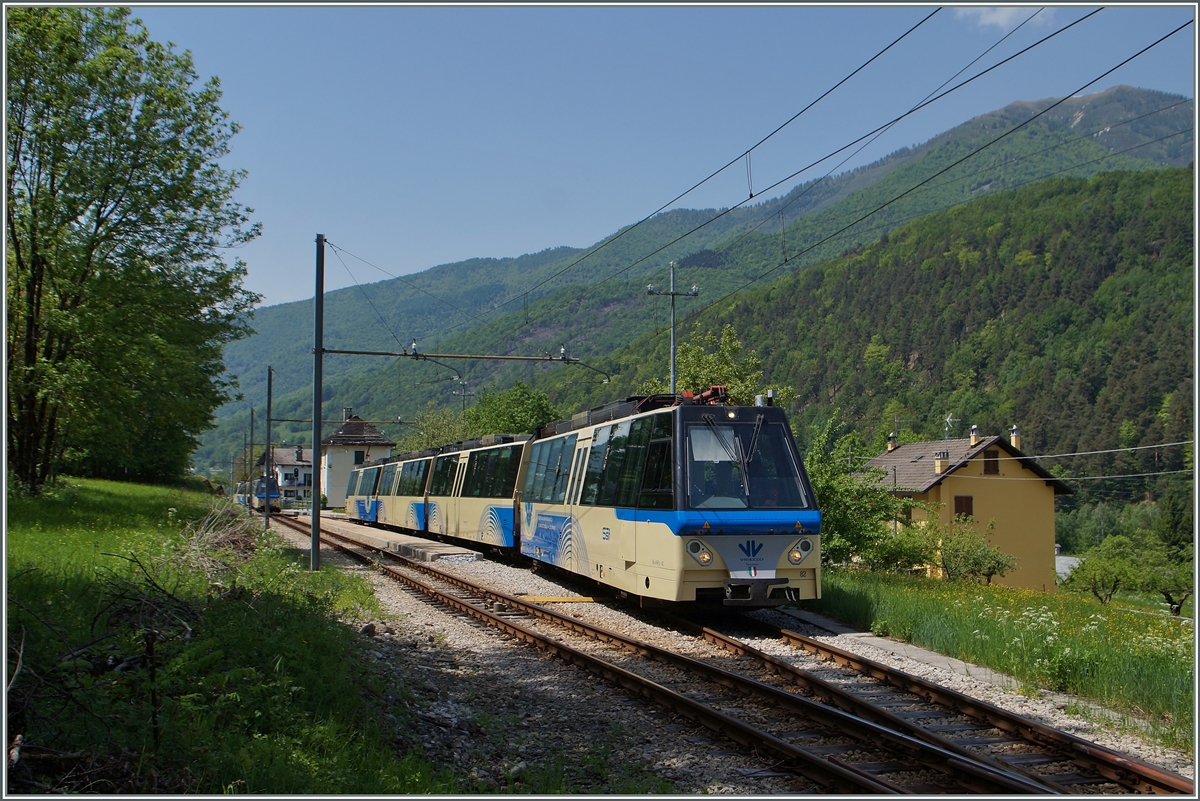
point(751, 548)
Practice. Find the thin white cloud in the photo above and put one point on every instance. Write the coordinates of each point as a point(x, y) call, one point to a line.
point(1003, 17)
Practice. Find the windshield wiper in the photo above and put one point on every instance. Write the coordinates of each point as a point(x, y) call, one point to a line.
point(733, 456)
point(758, 424)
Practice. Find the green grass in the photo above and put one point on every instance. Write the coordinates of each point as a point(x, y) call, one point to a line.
point(1137, 664)
point(238, 678)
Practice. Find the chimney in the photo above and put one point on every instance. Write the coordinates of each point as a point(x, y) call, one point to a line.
point(975, 437)
point(299, 453)
point(347, 413)
point(941, 461)
point(891, 442)
point(1015, 437)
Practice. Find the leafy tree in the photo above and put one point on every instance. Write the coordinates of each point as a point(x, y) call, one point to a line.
point(516, 410)
point(118, 210)
point(966, 554)
point(901, 550)
point(1104, 569)
point(856, 513)
point(1169, 573)
point(434, 426)
point(707, 360)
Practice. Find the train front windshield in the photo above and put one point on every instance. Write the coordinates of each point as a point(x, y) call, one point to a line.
point(742, 465)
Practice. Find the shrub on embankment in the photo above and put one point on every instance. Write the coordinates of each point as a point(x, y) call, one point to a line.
point(157, 643)
point(1139, 664)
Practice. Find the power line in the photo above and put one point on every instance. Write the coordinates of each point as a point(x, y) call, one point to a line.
point(371, 303)
point(1074, 478)
point(896, 223)
point(973, 153)
point(799, 172)
point(666, 205)
point(390, 275)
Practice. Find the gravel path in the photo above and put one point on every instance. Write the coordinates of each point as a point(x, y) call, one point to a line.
point(510, 719)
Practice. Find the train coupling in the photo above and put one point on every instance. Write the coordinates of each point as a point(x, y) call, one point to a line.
point(753, 591)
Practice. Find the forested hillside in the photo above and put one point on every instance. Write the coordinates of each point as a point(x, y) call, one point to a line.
point(1064, 307)
point(599, 306)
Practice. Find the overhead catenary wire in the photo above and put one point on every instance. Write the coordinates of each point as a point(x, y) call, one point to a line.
point(896, 223)
point(401, 279)
point(973, 153)
point(695, 186)
point(828, 156)
point(880, 133)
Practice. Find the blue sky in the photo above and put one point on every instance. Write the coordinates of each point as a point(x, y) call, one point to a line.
point(418, 136)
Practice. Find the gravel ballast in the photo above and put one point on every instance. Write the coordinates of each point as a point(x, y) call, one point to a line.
point(511, 719)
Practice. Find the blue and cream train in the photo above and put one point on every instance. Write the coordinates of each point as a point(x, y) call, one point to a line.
point(666, 497)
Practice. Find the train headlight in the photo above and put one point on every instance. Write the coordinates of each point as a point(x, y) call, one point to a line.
point(799, 551)
point(700, 553)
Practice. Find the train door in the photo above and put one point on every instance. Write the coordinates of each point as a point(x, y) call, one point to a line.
point(441, 488)
point(459, 527)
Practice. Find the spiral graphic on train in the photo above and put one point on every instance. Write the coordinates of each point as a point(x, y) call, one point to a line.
point(435, 518)
point(492, 528)
point(415, 517)
point(571, 551)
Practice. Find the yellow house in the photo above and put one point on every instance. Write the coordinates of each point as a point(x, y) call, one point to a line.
point(989, 479)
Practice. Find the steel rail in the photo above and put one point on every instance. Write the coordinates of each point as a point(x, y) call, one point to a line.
point(1110, 764)
point(853, 704)
point(963, 766)
point(828, 773)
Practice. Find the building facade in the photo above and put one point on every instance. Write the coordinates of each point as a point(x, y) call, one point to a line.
point(292, 468)
point(356, 442)
point(990, 480)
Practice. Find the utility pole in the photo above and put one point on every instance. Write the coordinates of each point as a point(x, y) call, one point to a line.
point(650, 290)
point(318, 354)
point(249, 475)
point(465, 392)
point(267, 458)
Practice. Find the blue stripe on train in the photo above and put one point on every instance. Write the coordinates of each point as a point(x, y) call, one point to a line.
point(733, 521)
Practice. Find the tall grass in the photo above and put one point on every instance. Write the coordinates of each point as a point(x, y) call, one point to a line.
point(227, 674)
point(1141, 665)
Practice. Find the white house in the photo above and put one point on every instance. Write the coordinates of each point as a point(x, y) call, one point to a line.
point(355, 443)
point(293, 469)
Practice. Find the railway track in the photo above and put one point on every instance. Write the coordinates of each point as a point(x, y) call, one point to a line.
point(1057, 760)
point(836, 750)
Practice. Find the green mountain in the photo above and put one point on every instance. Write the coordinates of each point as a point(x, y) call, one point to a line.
point(599, 305)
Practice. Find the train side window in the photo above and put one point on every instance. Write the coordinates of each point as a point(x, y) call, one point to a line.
point(629, 483)
point(412, 478)
point(352, 484)
point(444, 471)
point(614, 461)
point(595, 466)
point(657, 491)
point(581, 458)
point(369, 481)
point(502, 472)
point(535, 477)
point(388, 481)
point(562, 470)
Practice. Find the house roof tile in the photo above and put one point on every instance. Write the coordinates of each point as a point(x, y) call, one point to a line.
point(910, 467)
point(354, 431)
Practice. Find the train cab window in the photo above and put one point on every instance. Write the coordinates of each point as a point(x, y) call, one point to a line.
point(388, 479)
point(740, 465)
point(445, 469)
point(352, 484)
